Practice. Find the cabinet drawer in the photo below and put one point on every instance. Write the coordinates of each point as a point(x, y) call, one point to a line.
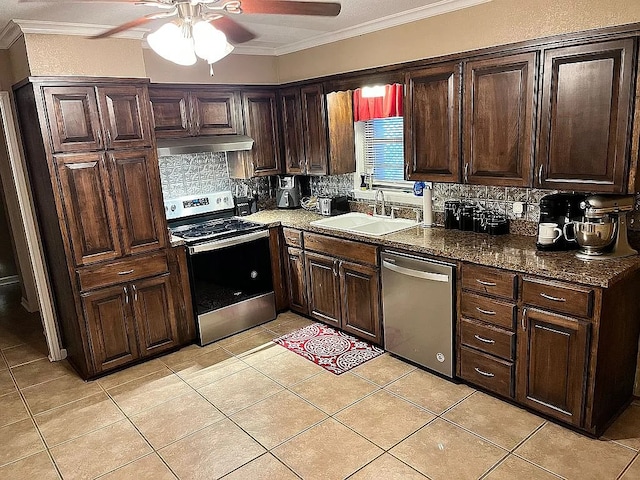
point(489, 281)
point(489, 372)
point(122, 271)
point(487, 338)
point(488, 310)
point(292, 237)
point(558, 297)
point(355, 251)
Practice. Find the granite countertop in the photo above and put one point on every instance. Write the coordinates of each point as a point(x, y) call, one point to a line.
point(512, 252)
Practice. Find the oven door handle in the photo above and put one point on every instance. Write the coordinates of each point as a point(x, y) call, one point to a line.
point(228, 242)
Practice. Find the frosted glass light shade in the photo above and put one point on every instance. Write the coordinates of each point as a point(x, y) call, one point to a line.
point(210, 43)
point(169, 43)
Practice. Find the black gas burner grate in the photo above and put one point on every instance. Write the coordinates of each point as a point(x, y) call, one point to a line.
point(214, 229)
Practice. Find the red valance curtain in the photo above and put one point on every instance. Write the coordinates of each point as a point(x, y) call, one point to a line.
point(389, 105)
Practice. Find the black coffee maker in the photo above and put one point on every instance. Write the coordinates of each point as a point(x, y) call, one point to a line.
point(557, 210)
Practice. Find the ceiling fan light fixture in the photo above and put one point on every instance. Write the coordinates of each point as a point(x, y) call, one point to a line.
point(210, 43)
point(169, 42)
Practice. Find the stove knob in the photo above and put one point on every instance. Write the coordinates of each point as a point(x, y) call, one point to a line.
point(173, 208)
point(218, 200)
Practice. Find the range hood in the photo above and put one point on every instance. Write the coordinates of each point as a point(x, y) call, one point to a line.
point(216, 143)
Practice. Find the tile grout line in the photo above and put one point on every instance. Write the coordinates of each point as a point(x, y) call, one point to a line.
point(628, 467)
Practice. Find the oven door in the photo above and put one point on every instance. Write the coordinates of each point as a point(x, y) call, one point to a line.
point(232, 285)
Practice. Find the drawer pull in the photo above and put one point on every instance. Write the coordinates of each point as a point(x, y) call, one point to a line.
point(126, 272)
point(486, 284)
point(486, 312)
point(555, 299)
point(484, 340)
point(485, 374)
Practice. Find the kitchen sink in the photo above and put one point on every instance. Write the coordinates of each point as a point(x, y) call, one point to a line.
point(364, 224)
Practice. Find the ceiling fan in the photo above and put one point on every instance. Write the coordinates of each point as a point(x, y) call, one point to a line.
point(197, 25)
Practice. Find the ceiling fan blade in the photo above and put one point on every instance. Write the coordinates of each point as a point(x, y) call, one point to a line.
point(121, 28)
point(235, 32)
point(283, 7)
point(78, 1)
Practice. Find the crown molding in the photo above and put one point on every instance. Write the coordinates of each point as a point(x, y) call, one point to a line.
point(9, 34)
point(400, 18)
point(81, 29)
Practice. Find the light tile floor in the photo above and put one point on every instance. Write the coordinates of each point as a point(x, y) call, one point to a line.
point(245, 408)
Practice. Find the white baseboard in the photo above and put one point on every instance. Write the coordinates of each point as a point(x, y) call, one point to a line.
point(9, 280)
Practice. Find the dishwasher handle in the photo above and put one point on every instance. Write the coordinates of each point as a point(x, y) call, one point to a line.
point(436, 277)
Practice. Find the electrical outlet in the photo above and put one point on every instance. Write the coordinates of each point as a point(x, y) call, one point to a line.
point(518, 209)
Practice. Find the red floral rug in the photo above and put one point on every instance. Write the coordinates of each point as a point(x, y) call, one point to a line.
point(333, 350)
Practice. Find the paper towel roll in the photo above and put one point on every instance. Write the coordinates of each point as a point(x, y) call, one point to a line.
point(427, 207)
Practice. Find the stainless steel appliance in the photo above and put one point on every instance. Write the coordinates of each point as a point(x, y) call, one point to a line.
point(556, 211)
point(288, 192)
point(245, 203)
point(229, 265)
point(418, 310)
point(333, 205)
point(602, 232)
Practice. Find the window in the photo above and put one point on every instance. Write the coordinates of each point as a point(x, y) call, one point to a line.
point(382, 150)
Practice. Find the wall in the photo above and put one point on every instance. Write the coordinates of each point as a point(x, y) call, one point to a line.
point(244, 69)
point(5, 70)
point(495, 23)
point(7, 258)
point(18, 60)
point(75, 55)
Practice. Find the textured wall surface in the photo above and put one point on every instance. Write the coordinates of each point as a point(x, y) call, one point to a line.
point(75, 55)
point(495, 23)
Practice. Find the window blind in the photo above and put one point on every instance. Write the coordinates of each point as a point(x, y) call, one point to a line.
point(384, 149)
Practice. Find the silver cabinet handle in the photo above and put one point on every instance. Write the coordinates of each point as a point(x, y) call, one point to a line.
point(335, 271)
point(484, 340)
point(126, 294)
point(540, 174)
point(135, 292)
point(486, 312)
point(108, 138)
point(466, 172)
point(125, 272)
point(99, 138)
point(484, 374)
point(486, 284)
point(524, 320)
point(555, 299)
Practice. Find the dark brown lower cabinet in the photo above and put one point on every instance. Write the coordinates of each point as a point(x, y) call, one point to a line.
point(360, 294)
point(323, 287)
point(552, 364)
point(341, 292)
point(130, 321)
point(294, 264)
point(111, 327)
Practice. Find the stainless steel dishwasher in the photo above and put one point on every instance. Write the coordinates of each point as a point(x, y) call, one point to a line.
point(417, 298)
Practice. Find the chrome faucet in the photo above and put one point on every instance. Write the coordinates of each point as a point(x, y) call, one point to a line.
point(381, 194)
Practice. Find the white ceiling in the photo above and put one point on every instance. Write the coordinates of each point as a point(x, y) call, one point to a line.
point(275, 34)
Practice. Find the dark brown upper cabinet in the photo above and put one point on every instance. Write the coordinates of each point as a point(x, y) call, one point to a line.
point(584, 121)
point(292, 138)
point(432, 124)
point(498, 119)
point(136, 186)
point(261, 121)
point(84, 118)
point(180, 112)
point(318, 133)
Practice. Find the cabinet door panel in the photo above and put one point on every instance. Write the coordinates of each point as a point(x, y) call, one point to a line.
point(154, 315)
point(216, 113)
point(360, 293)
point(73, 119)
point(123, 110)
point(170, 110)
point(112, 334)
point(88, 207)
point(139, 199)
point(296, 281)
point(342, 146)
point(552, 363)
point(499, 101)
point(314, 126)
point(323, 288)
point(585, 117)
point(291, 118)
point(261, 122)
point(432, 124)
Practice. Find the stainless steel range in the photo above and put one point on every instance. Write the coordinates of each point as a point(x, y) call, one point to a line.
point(229, 264)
